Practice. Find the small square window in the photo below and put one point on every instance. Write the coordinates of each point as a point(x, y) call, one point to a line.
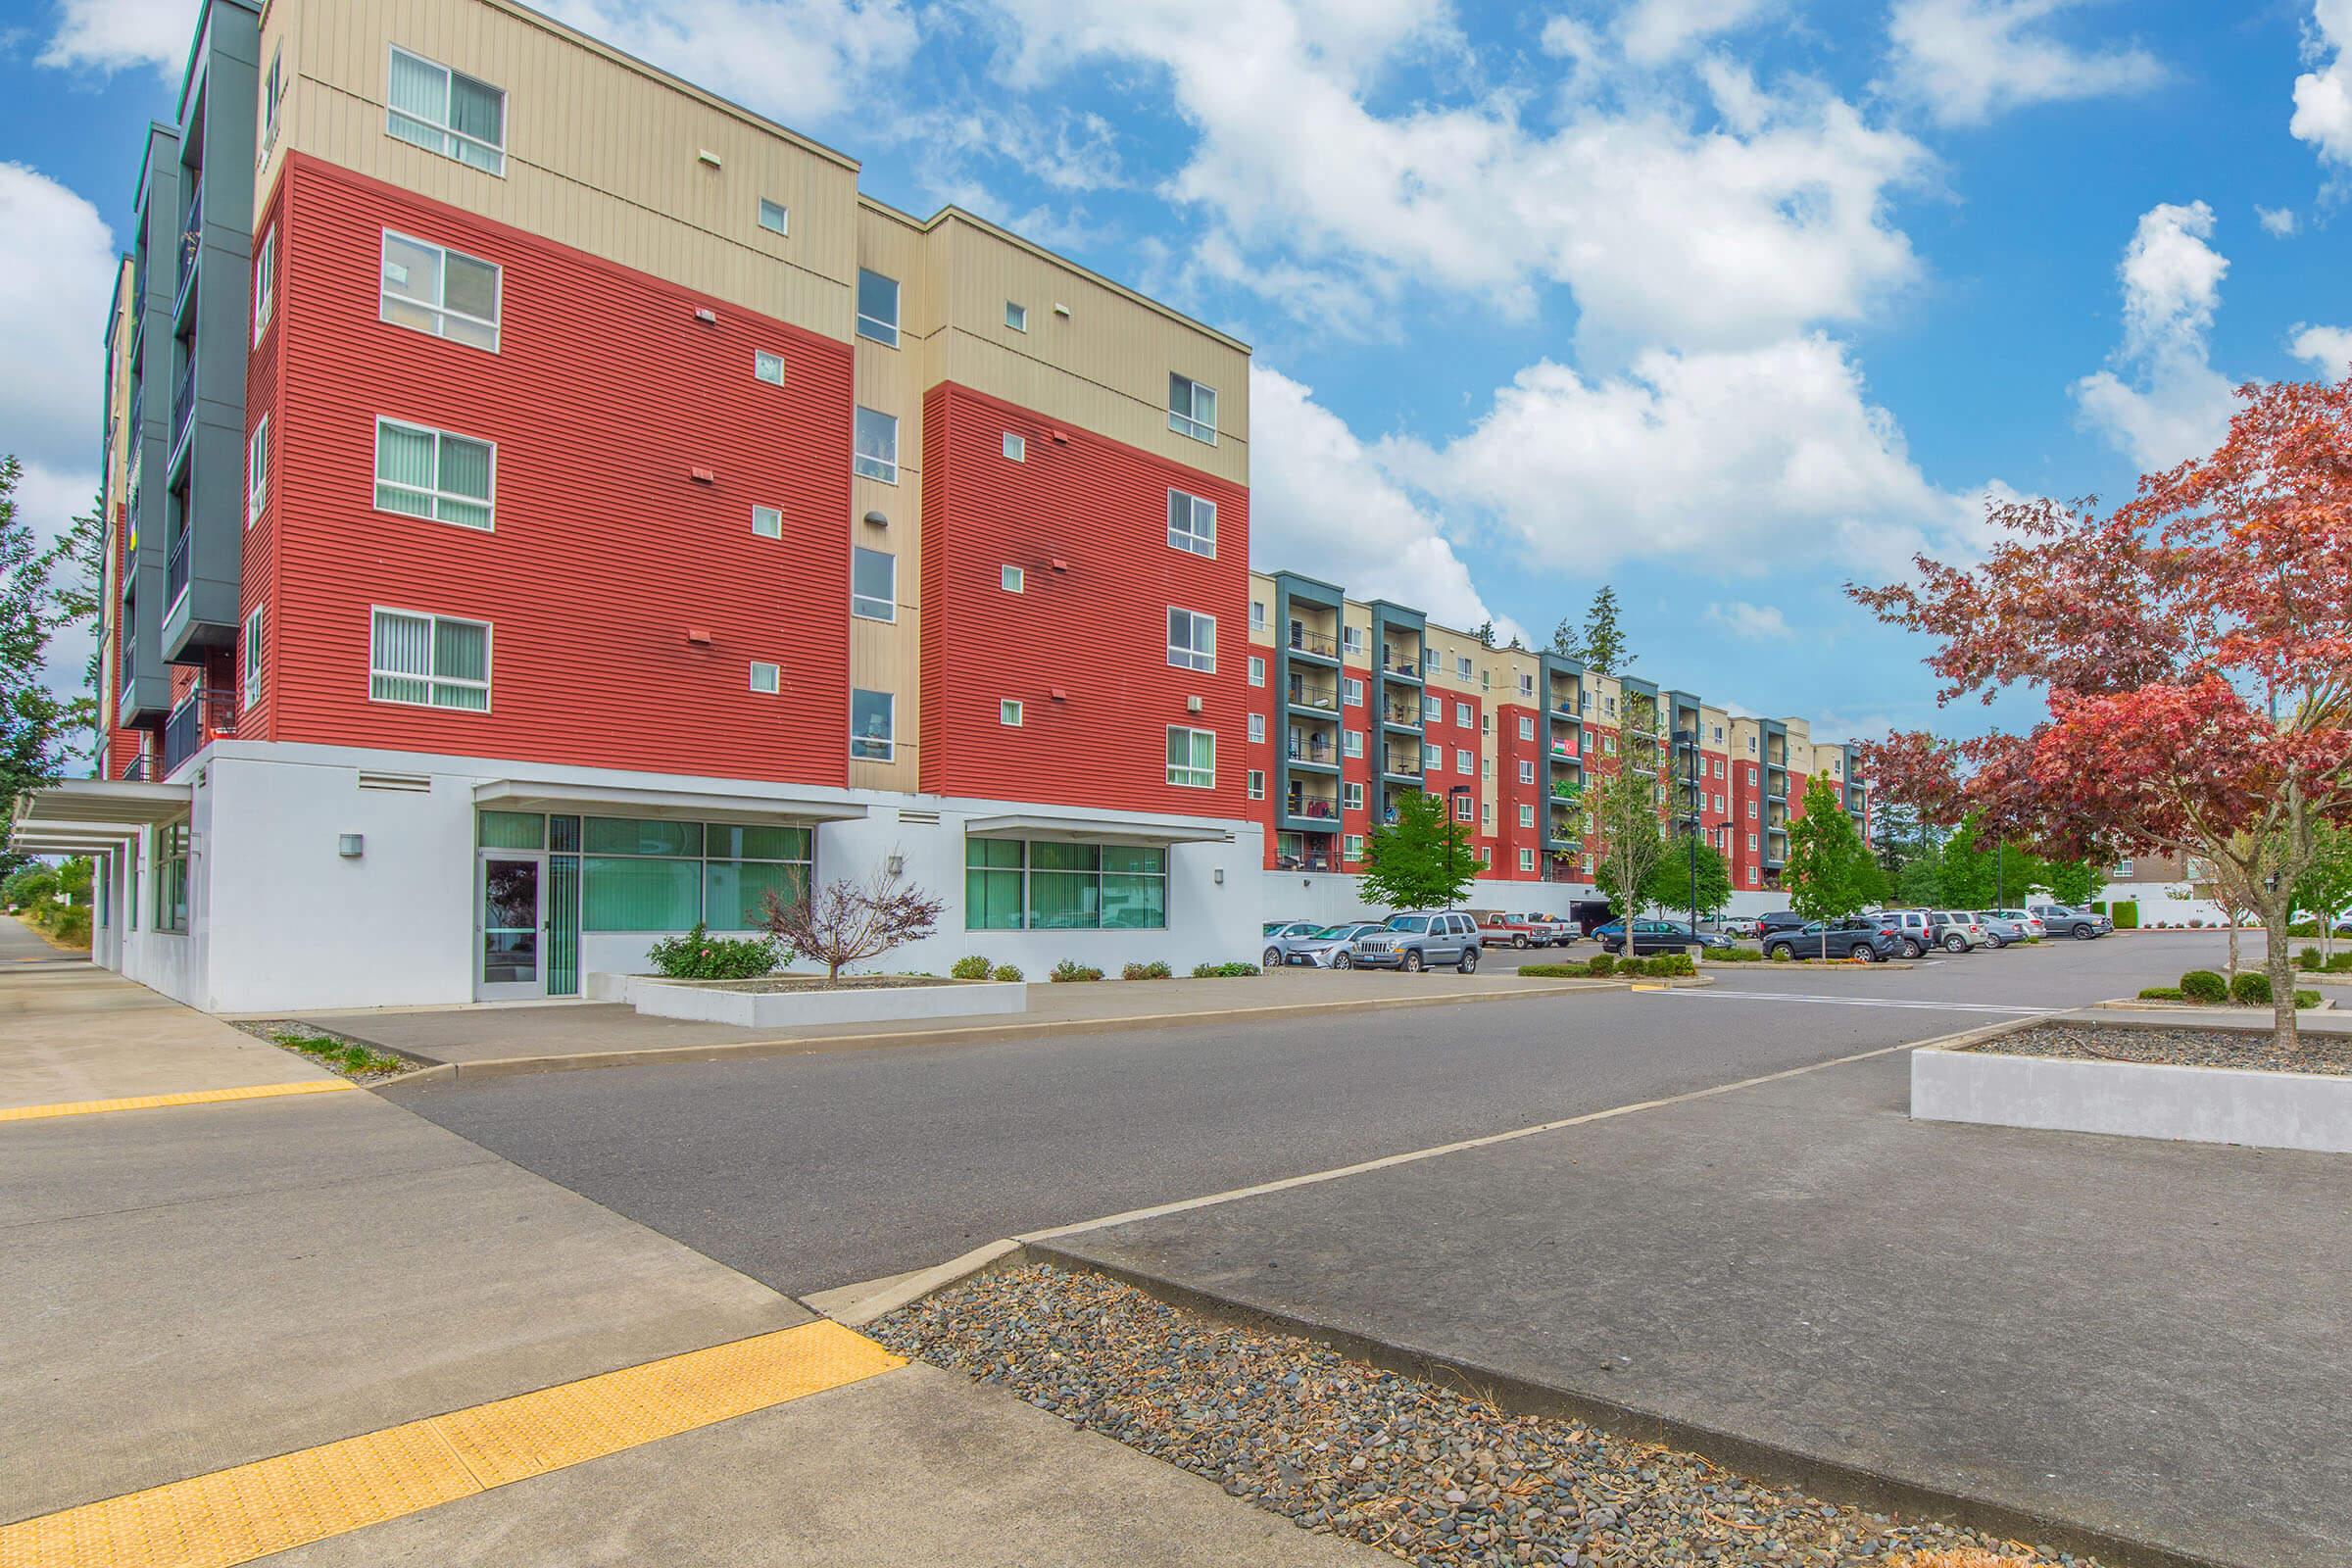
point(1009, 713)
point(875, 445)
point(1527, 859)
point(768, 367)
point(1016, 317)
point(1462, 714)
point(1257, 727)
point(1257, 671)
point(1192, 640)
point(1016, 446)
point(768, 523)
point(1352, 795)
point(1353, 844)
point(776, 217)
point(1527, 772)
point(1351, 742)
point(873, 584)
point(872, 726)
point(1193, 409)
point(766, 679)
point(1257, 614)
point(1257, 785)
point(878, 308)
point(1014, 579)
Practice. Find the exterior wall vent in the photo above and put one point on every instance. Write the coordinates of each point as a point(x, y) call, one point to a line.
point(706, 157)
point(700, 636)
point(919, 819)
point(705, 476)
point(706, 316)
point(398, 783)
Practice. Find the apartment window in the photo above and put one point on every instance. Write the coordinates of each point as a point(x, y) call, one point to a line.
point(1431, 661)
point(1527, 817)
point(1486, 813)
point(873, 733)
point(1433, 711)
point(1463, 762)
point(428, 661)
point(878, 308)
point(2122, 870)
point(265, 282)
point(430, 288)
point(1486, 769)
point(1719, 739)
point(877, 446)
point(1192, 640)
point(873, 584)
point(768, 367)
point(766, 679)
point(768, 523)
point(1751, 876)
point(1609, 744)
point(1527, 685)
point(1351, 640)
point(1433, 757)
point(1352, 743)
point(1257, 727)
point(1012, 579)
point(257, 471)
point(1352, 691)
point(1016, 446)
point(1257, 784)
point(171, 877)
point(1751, 841)
point(1193, 409)
point(1719, 802)
point(273, 94)
point(1016, 317)
point(1752, 811)
point(1009, 713)
point(1257, 671)
point(1465, 809)
point(1257, 614)
point(1192, 757)
point(447, 111)
point(1016, 884)
point(1352, 797)
point(776, 217)
point(249, 672)
point(425, 472)
point(1462, 714)
point(1192, 523)
point(1527, 859)
point(1463, 668)
point(1752, 773)
point(1527, 772)
point(1719, 768)
point(1527, 727)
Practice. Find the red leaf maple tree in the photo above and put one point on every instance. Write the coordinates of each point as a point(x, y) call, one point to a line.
point(2195, 646)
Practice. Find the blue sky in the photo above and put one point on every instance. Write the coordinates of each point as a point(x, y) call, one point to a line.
point(1724, 301)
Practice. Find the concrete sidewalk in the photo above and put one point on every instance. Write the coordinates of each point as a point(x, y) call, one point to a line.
point(199, 1288)
point(2148, 1340)
point(484, 1040)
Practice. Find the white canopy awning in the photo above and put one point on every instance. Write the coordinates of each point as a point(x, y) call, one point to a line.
point(598, 800)
point(1095, 831)
point(90, 816)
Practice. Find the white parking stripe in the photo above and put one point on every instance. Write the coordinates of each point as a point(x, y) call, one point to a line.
point(1862, 1001)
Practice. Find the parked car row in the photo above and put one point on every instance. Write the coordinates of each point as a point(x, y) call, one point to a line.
point(1911, 933)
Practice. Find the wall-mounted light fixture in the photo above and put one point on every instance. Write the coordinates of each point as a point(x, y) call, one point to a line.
point(351, 846)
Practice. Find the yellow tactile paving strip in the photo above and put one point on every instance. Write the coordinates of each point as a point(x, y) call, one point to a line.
point(192, 1097)
point(236, 1515)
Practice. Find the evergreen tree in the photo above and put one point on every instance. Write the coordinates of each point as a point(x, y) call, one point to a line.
point(1565, 642)
point(32, 720)
point(1410, 862)
point(75, 567)
point(1484, 634)
point(1604, 645)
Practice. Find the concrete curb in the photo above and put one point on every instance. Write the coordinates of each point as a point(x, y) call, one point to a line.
point(2189, 1010)
point(511, 1067)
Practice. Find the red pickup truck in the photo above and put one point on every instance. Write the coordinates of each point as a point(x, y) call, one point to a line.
point(1496, 929)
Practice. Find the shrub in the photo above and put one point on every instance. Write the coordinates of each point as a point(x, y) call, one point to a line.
point(1601, 963)
point(2308, 959)
point(2307, 998)
point(1069, 970)
point(2126, 915)
point(2340, 964)
point(1734, 955)
point(973, 968)
point(1223, 971)
point(2160, 994)
point(2251, 989)
point(1554, 971)
point(698, 956)
point(1154, 971)
point(1005, 972)
point(2203, 985)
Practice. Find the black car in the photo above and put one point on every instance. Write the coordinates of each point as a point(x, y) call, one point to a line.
point(1652, 935)
point(1871, 941)
point(1782, 921)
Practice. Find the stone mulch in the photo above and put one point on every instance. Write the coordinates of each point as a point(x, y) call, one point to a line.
point(354, 1059)
point(1426, 1473)
point(2183, 1047)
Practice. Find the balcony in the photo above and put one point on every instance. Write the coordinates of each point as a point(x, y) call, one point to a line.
point(1400, 764)
point(1403, 668)
point(1316, 750)
point(206, 714)
point(1307, 860)
point(1405, 716)
point(183, 406)
point(192, 247)
point(1315, 694)
point(1313, 807)
point(1315, 644)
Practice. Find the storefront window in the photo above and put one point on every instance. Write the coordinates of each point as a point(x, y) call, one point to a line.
point(1045, 885)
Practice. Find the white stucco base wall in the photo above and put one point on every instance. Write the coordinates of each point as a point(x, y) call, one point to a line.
point(2200, 1104)
point(281, 920)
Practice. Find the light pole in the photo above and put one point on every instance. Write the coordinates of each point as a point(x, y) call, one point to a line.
point(1450, 826)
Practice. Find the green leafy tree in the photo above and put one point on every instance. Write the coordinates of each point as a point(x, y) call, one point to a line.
point(1669, 884)
point(32, 720)
point(2323, 891)
point(1624, 813)
point(1829, 873)
point(1423, 860)
point(75, 567)
point(1921, 882)
point(1604, 649)
point(2073, 882)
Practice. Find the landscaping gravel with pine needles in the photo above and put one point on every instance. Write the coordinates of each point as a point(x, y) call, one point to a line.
point(2179, 1048)
point(1426, 1473)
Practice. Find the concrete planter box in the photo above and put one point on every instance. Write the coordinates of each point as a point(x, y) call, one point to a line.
point(792, 1006)
point(2193, 1105)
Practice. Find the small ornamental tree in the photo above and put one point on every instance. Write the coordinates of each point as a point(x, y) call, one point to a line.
point(846, 923)
point(1831, 872)
point(1407, 860)
point(2195, 646)
point(1669, 886)
point(2323, 891)
point(1625, 816)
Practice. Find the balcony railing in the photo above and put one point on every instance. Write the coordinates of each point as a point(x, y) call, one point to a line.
point(191, 246)
point(1310, 694)
point(206, 714)
point(1407, 714)
point(1402, 667)
point(183, 404)
point(1320, 644)
point(137, 769)
point(1308, 860)
point(1401, 765)
point(175, 569)
point(1315, 807)
point(1312, 749)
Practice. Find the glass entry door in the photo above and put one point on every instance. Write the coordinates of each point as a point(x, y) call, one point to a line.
point(512, 924)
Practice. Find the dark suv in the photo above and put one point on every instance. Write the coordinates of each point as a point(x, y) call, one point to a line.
point(1871, 941)
point(2058, 920)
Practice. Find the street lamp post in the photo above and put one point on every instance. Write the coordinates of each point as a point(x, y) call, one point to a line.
point(1450, 826)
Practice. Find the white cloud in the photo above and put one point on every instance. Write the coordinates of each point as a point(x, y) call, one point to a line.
point(57, 269)
point(2175, 404)
point(1776, 447)
point(2324, 95)
point(1653, 31)
point(2280, 223)
point(110, 35)
point(1666, 230)
point(1319, 504)
point(47, 499)
point(799, 61)
point(2327, 349)
point(1966, 60)
point(1755, 623)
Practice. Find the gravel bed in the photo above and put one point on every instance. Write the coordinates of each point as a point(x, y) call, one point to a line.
point(2183, 1047)
point(1426, 1473)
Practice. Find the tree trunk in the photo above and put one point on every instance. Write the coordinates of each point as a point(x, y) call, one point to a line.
point(2275, 919)
point(2233, 917)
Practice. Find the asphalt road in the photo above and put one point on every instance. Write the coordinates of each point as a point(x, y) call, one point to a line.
point(810, 1172)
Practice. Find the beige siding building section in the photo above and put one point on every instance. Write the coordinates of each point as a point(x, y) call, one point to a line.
point(122, 450)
